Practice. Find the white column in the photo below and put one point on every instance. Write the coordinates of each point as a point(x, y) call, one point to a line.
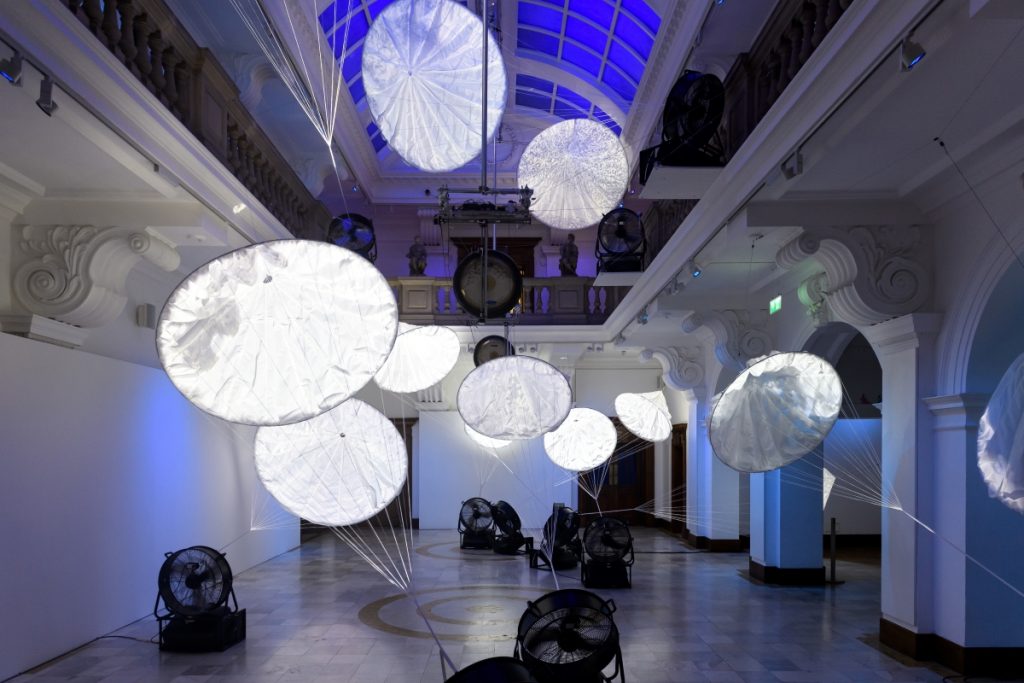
point(905, 350)
point(713, 488)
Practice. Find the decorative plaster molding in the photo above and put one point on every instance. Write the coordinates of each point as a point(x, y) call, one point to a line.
point(738, 335)
point(251, 72)
point(79, 272)
point(682, 367)
point(872, 273)
point(814, 297)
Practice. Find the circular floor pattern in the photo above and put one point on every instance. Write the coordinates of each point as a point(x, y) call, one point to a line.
point(453, 552)
point(491, 612)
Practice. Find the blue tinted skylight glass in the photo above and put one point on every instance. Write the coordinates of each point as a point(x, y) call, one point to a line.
point(614, 78)
point(626, 61)
point(584, 59)
point(540, 16)
point(534, 83)
point(357, 91)
point(642, 11)
point(525, 98)
point(586, 34)
point(598, 11)
point(372, 129)
point(353, 64)
point(357, 27)
point(572, 98)
point(379, 143)
point(568, 111)
point(541, 42)
point(630, 33)
point(378, 7)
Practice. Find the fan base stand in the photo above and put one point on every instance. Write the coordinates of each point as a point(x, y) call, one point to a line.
point(214, 632)
point(606, 575)
point(483, 540)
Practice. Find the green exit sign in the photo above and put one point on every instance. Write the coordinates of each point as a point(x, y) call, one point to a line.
point(775, 305)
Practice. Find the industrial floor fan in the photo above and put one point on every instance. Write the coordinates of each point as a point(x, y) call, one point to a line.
point(494, 670)
point(569, 635)
point(508, 535)
point(354, 232)
point(200, 609)
point(620, 242)
point(561, 547)
point(608, 554)
point(476, 524)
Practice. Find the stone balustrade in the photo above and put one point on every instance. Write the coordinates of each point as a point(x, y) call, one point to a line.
point(149, 40)
point(545, 301)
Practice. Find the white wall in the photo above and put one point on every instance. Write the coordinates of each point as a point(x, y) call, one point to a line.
point(104, 468)
point(849, 448)
point(453, 468)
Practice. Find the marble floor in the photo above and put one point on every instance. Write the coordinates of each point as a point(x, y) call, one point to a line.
point(320, 614)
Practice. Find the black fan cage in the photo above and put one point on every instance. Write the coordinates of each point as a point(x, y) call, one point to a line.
point(562, 527)
point(476, 515)
point(608, 539)
point(194, 581)
point(494, 670)
point(492, 347)
point(468, 289)
point(568, 635)
point(506, 518)
point(354, 232)
point(621, 231)
point(693, 110)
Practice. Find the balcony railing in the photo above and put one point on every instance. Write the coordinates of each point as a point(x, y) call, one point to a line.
point(545, 301)
point(789, 37)
point(149, 40)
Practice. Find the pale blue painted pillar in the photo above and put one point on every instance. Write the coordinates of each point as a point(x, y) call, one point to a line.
point(785, 525)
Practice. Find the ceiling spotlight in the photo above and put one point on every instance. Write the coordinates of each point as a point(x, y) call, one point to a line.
point(10, 68)
point(694, 269)
point(45, 101)
point(642, 317)
point(355, 188)
point(910, 54)
point(238, 208)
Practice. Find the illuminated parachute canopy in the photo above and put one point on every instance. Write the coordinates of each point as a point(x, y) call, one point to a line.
point(420, 358)
point(485, 441)
point(585, 440)
point(645, 415)
point(515, 397)
point(336, 469)
point(578, 172)
point(422, 71)
point(775, 412)
point(1001, 439)
point(277, 332)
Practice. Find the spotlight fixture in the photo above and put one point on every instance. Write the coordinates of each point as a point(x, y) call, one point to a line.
point(911, 53)
point(238, 208)
point(10, 68)
point(642, 316)
point(45, 101)
point(694, 269)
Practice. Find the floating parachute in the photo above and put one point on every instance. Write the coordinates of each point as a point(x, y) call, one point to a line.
point(775, 412)
point(515, 397)
point(420, 358)
point(485, 441)
point(645, 415)
point(336, 469)
point(421, 68)
point(1001, 439)
point(278, 332)
point(585, 440)
point(578, 172)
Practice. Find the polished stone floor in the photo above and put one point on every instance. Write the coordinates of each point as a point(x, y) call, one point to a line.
point(320, 614)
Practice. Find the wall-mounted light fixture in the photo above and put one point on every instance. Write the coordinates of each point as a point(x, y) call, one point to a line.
point(10, 68)
point(45, 101)
point(693, 269)
point(911, 53)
